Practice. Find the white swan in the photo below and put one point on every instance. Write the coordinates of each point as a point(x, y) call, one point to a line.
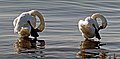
point(89, 27)
point(22, 21)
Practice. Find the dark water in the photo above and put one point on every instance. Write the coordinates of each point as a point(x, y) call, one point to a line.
point(61, 34)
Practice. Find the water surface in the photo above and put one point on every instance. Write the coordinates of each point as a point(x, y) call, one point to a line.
point(61, 34)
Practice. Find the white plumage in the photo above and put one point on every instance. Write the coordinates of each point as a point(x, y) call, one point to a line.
point(21, 21)
point(89, 26)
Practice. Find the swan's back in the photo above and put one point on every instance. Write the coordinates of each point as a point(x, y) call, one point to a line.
point(86, 28)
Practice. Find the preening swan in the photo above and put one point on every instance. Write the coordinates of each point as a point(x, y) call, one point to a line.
point(25, 25)
point(89, 26)
point(22, 21)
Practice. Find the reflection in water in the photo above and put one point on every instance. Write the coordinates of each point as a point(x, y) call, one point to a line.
point(24, 45)
point(89, 44)
point(41, 44)
point(91, 49)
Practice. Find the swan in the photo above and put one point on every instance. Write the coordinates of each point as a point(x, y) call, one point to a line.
point(89, 27)
point(22, 21)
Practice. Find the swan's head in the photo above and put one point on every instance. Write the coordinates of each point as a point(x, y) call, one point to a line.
point(24, 32)
point(103, 19)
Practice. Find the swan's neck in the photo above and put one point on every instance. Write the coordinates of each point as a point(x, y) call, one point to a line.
point(41, 20)
point(103, 19)
point(42, 23)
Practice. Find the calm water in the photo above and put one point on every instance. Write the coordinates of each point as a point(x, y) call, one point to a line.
point(61, 34)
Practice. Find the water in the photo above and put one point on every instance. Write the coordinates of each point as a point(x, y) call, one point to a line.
point(61, 34)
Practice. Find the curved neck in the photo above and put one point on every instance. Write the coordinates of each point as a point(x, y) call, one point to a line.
point(103, 19)
point(42, 23)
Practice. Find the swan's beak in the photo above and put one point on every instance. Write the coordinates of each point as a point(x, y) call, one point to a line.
point(97, 33)
point(101, 27)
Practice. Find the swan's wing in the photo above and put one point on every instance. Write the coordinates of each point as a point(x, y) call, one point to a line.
point(86, 29)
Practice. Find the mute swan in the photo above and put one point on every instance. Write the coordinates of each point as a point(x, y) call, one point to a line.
point(89, 27)
point(22, 21)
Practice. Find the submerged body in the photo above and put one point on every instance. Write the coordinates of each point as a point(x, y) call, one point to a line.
point(89, 27)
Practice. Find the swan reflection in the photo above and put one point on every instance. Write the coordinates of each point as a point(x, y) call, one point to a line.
point(25, 45)
point(91, 49)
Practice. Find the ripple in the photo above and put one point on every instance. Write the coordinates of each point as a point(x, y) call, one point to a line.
point(61, 16)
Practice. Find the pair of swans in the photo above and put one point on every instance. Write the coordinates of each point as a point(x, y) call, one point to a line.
point(89, 27)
